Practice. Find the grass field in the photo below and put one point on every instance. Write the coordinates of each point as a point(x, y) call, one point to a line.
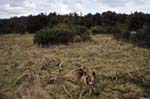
point(122, 69)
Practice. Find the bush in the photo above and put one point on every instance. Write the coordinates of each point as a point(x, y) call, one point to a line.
point(62, 26)
point(105, 29)
point(122, 32)
point(97, 29)
point(142, 36)
point(114, 29)
point(53, 36)
point(82, 32)
point(60, 34)
point(80, 29)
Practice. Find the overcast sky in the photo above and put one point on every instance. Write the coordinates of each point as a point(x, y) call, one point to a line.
point(9, 8)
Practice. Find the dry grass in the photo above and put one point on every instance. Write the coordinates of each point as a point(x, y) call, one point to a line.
point(122, 69)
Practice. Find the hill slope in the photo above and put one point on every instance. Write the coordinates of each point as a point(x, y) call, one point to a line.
point(122, 69)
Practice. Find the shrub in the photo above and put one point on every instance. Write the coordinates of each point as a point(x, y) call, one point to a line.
point(75, 28)
point(62, 25)
point(80, 29)
point(140, 37)
point(82, 32)
point(53, 36)
point(143, 36)
point(105, 29)
point(121, 32)
point(97, 29)
point(114, 29)
point(60, 34)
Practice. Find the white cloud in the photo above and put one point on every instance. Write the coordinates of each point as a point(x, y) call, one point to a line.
point(113, 3)
point(25, 7)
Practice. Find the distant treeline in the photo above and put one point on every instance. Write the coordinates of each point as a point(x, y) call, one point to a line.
point(134, 27)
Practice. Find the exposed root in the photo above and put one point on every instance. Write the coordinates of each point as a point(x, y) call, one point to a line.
point(34, 84)
point(67, 92)
point(87, 80)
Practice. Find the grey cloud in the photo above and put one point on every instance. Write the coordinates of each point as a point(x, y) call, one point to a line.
point(17, 3)
point(113, 3)
point(13, 3)
point(25, 7)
